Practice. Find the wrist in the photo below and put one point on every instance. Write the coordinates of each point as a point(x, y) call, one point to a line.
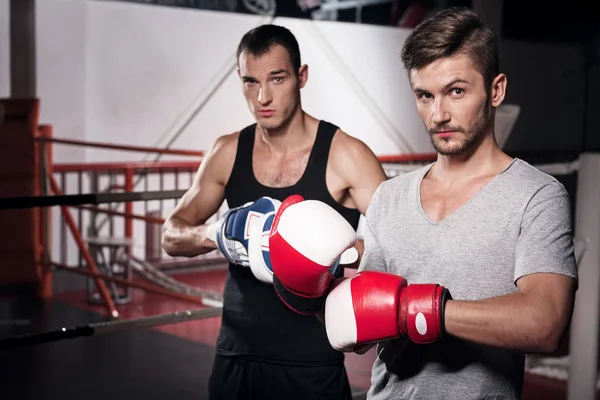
point(207, 236)
point(210, 233)
point(423, 310)
point(444, 298)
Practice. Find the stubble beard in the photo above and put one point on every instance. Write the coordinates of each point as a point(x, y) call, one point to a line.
point(472, 137)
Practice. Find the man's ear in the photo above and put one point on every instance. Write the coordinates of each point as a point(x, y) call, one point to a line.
point(302, 75)
point(498, 90)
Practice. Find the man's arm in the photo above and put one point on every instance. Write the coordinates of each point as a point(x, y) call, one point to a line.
point(532, 320)
point(535, 318)
point(362, 172)
point(361, 169)
point(184, 231)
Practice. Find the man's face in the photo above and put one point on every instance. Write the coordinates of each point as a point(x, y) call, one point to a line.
point(453, 103)
point(270, 86)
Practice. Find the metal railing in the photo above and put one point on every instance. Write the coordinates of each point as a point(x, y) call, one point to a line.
point(140, 221)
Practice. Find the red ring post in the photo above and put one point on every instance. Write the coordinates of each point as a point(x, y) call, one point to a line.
point(84, 250)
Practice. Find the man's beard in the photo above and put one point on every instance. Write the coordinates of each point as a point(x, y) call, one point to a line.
point(471, 139)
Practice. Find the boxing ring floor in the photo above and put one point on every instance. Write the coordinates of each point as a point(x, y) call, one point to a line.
point(168, 361)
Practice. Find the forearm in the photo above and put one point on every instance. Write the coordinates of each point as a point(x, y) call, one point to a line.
point(181, 239)
point(514, 321)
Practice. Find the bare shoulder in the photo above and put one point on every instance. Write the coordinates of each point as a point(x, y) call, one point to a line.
point(219, 160)
point(225, 145)
point(357, 166)
point(351, 153)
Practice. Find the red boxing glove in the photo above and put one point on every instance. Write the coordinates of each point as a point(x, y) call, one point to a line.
point(374, 306)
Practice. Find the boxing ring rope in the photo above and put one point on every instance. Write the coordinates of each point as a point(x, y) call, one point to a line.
point(79, 199)
point(149, 166)
point(101, 328)
point(112, 146)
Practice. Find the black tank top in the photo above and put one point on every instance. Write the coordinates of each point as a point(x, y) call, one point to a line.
point(255, 322)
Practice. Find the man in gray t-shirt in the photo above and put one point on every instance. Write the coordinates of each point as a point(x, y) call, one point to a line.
point(516, 225)
point(468, 262)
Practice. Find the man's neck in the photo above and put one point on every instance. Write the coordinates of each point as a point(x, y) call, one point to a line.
point(484, 159)
point(291, 136)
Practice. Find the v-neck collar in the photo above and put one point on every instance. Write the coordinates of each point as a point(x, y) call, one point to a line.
point(462, 206)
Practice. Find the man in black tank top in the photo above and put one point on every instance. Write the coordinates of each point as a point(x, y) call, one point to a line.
point(264, 350)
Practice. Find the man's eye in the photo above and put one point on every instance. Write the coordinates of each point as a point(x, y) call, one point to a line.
point(278, 79)
point(457, 91)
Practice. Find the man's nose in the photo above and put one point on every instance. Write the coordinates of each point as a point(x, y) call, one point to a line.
point(440, 113)
point(264, 96)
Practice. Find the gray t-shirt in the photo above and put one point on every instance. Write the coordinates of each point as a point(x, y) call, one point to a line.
point(517, 224)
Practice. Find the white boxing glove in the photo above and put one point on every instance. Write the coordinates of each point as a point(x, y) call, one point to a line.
point(306, 242)
point(259, 254)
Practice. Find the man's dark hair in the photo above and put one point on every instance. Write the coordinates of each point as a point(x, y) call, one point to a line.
point(261, 39)
point(453, 31)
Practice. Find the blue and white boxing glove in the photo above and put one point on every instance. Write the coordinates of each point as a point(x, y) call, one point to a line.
point(232, 231)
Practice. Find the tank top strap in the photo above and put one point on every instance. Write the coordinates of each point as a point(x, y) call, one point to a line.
point(243, 157)
point(319, 156)
point(242, 175)
point(316, 173)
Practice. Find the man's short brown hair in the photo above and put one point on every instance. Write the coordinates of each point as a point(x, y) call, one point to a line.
point(450, 32)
